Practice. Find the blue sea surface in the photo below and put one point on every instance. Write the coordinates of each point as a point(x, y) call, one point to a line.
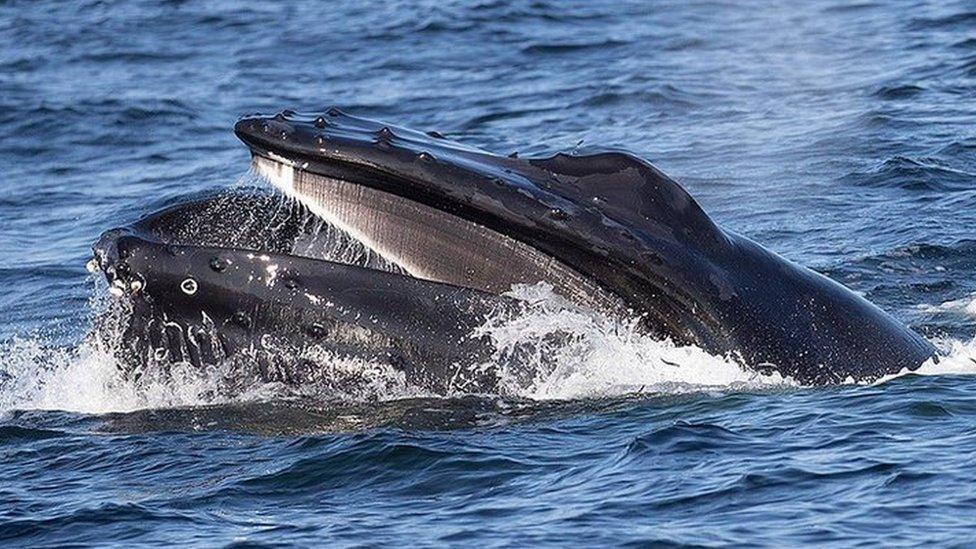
point(839, 134)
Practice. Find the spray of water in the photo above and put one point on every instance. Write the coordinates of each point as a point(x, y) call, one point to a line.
point(556, 351)
point(86, 378)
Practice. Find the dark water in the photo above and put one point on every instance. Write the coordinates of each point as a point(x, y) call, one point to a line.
point(841, 135)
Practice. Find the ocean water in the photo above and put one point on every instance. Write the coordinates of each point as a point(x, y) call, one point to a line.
point(841, 135)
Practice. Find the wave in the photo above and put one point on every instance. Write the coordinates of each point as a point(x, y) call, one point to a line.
point(954, 21)
point(903, 91)
point(572, 47)
point(913, 174)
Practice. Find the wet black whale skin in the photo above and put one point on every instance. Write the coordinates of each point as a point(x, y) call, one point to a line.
point(617, 219)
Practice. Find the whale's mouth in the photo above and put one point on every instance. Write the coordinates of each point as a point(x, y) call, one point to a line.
point(604, 229)
point(425, 242)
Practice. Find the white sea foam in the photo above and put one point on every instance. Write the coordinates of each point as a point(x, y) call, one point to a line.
point(79, 380)
point(561, 352)
point(965, 306)
point(955, 358)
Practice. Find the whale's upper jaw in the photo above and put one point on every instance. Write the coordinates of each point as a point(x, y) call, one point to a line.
point(631, 233)
point(560, 195)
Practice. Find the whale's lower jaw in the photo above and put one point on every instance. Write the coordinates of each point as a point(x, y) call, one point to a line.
point(206, 305)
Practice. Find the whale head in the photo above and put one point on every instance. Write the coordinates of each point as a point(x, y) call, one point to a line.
point(605, 228)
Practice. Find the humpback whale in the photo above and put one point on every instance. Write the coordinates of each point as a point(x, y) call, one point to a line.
point(439, 232)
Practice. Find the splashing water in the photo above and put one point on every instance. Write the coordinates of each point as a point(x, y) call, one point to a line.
point(550, 351)
point(571, 353)
point(957, 357)
point(87, 378)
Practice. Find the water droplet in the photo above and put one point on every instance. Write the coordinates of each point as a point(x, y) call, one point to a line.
point(558, 214)
point(241, 319)
point(189, 286)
